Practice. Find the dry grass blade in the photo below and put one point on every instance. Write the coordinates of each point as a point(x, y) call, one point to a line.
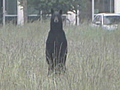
point(93, 61)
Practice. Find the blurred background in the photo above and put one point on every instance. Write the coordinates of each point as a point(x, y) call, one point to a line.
point(20, 11)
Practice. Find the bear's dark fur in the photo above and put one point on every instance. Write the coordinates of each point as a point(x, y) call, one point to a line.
point(56, 44)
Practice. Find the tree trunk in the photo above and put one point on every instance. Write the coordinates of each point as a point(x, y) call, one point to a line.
point(76, 17)
point(25, 10)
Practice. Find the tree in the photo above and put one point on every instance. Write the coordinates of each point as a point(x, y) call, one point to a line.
point(65, 5)
point(46, 5)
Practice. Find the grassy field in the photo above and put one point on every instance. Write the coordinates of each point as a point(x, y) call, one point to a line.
point(93, 61)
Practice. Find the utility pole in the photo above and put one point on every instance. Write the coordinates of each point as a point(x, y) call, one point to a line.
point(4, 12)
point(92, 10)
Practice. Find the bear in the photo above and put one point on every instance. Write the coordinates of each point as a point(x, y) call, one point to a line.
point(56, 44)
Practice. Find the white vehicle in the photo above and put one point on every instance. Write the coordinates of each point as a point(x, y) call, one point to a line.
point(108, 21)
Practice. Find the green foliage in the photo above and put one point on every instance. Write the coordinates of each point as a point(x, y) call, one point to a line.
point(65, 5)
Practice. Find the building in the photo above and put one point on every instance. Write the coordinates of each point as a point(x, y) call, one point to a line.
point(111, 6)
point(13, 12)
point(9, 10)
point(117, 6)
point(1, 11)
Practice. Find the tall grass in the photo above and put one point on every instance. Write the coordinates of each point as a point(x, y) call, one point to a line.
point(93, 61)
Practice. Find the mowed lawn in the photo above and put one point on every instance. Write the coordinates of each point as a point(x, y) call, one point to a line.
point(93, 61)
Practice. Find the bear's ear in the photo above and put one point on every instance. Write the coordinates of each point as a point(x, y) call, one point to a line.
point(52, 11)
point(60, 12)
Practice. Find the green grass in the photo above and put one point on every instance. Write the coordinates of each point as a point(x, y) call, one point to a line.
point(93, 61)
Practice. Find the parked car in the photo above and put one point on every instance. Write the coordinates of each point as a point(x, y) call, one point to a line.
point(108, 21)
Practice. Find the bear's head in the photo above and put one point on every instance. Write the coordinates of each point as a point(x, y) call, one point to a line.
point(56, 16)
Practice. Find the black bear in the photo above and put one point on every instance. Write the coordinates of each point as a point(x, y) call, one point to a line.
point(56, 44)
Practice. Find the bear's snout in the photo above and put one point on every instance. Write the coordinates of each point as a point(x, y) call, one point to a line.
point(56, 20)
